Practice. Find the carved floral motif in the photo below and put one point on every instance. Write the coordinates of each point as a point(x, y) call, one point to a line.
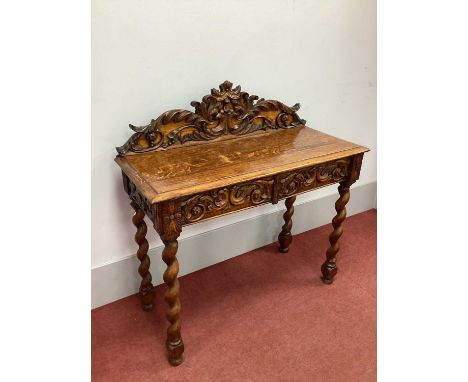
point(171, 223)
point(224, 111)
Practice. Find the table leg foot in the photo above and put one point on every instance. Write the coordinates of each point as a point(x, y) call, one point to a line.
point(327, 281)
point(147, 307)
point(175, 351)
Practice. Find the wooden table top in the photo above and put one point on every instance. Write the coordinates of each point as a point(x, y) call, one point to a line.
point(166, 174)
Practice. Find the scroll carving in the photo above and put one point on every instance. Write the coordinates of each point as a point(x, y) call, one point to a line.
point(313, 177)
point(211, 203)
point(224, 111)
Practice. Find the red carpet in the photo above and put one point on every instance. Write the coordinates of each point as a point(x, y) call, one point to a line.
point(262, 316)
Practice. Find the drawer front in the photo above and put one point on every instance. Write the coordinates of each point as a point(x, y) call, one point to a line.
point(301, 180)
point(227, 199)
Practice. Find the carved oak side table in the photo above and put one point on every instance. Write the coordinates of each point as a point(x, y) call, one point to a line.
point(234, 152)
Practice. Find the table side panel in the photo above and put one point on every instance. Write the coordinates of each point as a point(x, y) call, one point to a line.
point(136, 196)
point(225, 200)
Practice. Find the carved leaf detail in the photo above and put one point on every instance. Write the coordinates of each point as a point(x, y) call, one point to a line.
point(224, 111)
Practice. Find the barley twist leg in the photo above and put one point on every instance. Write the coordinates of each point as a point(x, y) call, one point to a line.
point(329, 268)
point(285, 236)
point(146, 287)
point(174, 343)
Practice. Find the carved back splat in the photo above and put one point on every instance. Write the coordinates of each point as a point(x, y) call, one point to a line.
point(226, 111)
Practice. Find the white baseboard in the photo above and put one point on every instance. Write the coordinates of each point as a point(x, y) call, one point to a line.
point(119, 279)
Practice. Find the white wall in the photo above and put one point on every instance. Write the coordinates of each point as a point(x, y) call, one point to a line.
point(151, 56)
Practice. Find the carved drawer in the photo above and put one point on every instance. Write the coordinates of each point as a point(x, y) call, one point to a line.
point(297, 181)
point(227, 199)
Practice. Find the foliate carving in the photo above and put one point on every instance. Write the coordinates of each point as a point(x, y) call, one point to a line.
point(130, 188)
point(170, 223)
point(232, 198)
point(224, 111)
point(313, 177)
